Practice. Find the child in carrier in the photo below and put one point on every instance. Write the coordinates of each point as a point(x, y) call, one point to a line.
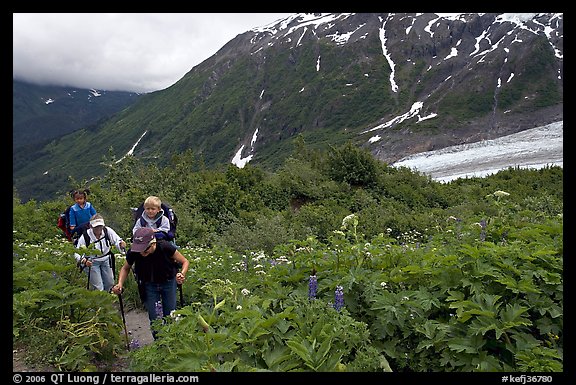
point(154, 218)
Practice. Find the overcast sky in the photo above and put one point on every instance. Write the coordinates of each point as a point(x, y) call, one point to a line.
point(140, 52)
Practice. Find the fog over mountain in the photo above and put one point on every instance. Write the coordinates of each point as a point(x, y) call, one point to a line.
point(135, 52)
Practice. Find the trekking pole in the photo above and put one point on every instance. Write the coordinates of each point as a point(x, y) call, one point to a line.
point(181, 295)
point(124, 320)
point(120, 301)
point(89, 271)
point(112, 261)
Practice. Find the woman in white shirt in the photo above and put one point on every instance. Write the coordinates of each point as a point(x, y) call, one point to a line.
point(100, 265)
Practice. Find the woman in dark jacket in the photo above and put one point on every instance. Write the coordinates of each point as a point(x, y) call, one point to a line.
point(156, 264)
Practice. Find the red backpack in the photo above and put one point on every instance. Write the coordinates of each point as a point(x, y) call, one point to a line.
point(64, 223)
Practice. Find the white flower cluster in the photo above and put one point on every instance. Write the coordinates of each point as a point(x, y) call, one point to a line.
point(177, 317)
point(282, 259)
point(351, 219)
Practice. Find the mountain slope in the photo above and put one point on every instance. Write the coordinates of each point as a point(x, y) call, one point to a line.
point(45, 112)
point(397, 84)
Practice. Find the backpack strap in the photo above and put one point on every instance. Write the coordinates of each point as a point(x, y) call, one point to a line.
point(159, 234)
point(86, 237)
point(111, 257)
point(107, 238)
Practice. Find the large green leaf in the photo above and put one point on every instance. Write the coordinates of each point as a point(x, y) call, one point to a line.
point(471, 344)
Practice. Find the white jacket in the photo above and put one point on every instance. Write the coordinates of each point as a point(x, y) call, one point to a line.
point(101, 244)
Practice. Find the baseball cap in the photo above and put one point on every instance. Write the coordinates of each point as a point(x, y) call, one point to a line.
point(141, 239)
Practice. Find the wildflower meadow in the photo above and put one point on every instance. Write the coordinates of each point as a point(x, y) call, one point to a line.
point(466, 279)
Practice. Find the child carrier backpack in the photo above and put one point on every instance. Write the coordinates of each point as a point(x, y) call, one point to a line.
point(168, 212)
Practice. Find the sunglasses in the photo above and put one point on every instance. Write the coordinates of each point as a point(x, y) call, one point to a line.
point(147, 249)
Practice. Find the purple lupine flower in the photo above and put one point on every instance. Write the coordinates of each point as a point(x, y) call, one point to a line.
point(339, 298)
point(159, 312)
point(312, 287)
point(458, 227)
point(483, 232)
point(134, 344)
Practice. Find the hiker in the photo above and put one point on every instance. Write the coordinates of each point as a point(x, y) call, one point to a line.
point(80, 212)
point(100, 266)
point(154, 218)
point(156, 269)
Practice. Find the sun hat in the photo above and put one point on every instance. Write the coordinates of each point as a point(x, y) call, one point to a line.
point(141, 239)
point(97, 222)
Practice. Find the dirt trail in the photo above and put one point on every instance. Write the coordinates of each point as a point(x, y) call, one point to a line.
point(138, 327)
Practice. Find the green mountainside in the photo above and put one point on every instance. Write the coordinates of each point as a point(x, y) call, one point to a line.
point(40, 113)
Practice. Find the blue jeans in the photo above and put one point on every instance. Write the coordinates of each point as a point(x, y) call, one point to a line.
point(101, 275)
point(160, 292)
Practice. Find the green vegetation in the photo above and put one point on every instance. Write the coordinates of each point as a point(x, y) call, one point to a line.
point(458, 277)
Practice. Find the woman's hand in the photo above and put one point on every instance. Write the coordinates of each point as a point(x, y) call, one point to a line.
point(117, 289)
